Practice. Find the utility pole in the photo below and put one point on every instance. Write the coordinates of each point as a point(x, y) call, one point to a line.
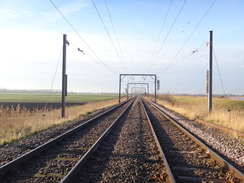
point(119, 86)
point(210, 72)
point(64, 76)
point(155, 88)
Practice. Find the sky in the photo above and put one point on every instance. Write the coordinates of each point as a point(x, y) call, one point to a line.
point(168, 38)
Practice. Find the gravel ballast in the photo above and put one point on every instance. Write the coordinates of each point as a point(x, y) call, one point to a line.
point(226, 145)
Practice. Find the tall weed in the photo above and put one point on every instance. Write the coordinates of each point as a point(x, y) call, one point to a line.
point(21, 122)
point(225, 112)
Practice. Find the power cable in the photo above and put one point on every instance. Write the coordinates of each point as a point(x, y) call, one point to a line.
point(54, 76)
point(219, 72)
point(168, 34)
point(110, 17)
point(81, 38)
point(189, 54)
point(75, 47)
point(108, 35)
point(160, 32)
point(189, 37)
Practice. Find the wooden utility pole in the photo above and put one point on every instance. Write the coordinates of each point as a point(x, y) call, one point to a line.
point(210, 72)
point(64, 76)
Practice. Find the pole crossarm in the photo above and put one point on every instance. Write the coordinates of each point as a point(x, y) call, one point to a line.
point(153, 76)
point(137, 83)
point(138, 88)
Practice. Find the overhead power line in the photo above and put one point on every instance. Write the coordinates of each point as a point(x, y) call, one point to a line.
point(160, 32)
point(104, 64)
point(189, 54)
point(110, 17)
point(108, 35)
point(221, 81)
point(75, 47)
point(168, 34)
point(54, 76)
point(189, 37)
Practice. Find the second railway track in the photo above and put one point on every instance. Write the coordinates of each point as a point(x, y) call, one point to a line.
point(134, 143)
point(51, 161)
point(190, 159)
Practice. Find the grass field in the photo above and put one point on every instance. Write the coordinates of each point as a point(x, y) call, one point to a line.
point(45, 97)
point(18, 122)
point(225, 112)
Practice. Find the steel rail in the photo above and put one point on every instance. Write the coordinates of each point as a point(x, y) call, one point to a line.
point(170, 177)
point(14, 163)
point(69, 177)
point(234, 174)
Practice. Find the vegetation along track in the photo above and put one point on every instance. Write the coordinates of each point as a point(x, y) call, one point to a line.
point(124, 148)
point(190, 160)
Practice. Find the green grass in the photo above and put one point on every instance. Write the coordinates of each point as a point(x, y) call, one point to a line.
point(89, 97)
point(42, 97)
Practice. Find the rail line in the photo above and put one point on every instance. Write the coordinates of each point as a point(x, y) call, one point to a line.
point(190, 159)
point(132, 142)
point(61, 153)
point(129, 153)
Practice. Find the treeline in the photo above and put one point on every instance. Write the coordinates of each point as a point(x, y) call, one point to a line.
point(54, 91)
point(28, 91)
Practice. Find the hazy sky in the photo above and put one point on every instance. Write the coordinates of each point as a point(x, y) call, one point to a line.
point(162, 37)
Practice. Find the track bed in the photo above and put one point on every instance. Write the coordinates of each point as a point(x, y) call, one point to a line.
point(132, 142)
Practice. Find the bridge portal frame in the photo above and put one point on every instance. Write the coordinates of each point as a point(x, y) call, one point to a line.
point(128, 85)
point(153, 76)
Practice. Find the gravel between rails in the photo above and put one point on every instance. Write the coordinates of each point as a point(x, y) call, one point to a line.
point(181, 151)
point(223, 143)
point(128, 155)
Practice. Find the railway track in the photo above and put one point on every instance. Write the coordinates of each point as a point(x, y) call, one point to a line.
point(190, 159)
point(129, 153)
point(132, 143)
point(49, 162)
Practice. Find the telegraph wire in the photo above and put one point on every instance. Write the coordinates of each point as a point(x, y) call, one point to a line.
point(82, 38)
point(123, 59)
point(160, 32)
point(168, 34)
point(108, 35)
point(189, 37)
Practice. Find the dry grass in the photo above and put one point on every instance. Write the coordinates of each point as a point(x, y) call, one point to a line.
point(225, 112)
point(19, 123)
